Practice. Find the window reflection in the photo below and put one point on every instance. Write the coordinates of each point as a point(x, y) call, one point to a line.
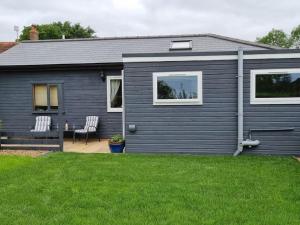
point(278, 85)
point(177, 87)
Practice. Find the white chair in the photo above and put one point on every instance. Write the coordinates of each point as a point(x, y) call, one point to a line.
point(91, 126)
point(42, 124)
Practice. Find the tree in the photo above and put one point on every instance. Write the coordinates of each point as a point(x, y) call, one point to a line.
point(57, 29)
point(276, 38)
point(295, 37)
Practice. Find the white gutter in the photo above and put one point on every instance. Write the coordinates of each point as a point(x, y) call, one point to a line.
point(179, 58)
point(208, 57)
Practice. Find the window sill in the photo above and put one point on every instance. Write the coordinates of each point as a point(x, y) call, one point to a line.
point(274, 101)
point(176, 103)
point(115, 110)
point(45, 112)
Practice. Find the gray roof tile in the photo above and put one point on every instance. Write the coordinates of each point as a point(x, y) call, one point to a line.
point(110, 50)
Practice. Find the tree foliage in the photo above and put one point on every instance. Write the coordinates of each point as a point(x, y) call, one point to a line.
point(295, 37)
point(57, 29)
point(281, 39)
point(276, 38)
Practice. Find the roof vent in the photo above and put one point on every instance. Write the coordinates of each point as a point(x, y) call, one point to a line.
point(181, 45)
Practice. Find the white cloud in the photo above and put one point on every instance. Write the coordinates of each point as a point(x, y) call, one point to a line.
point(245, 19)
point(127, 5)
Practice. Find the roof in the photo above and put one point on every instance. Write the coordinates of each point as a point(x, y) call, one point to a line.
point(110, 49)
point(6, 45)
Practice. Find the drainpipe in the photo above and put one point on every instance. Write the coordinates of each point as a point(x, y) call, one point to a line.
point(241, 142)
point(240, 101)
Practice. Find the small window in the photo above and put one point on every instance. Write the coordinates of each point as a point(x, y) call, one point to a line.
point(40, 97)
point(45, 97)
point(278, 86)
point(177, 88)
point(181, 45)
point(114, 94)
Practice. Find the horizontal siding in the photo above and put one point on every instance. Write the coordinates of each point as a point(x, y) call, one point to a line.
point(212, 127)
point(84, 94)
point(209, 128)
point(272, 116)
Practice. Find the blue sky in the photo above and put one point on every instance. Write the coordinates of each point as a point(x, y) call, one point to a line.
point(245, 19)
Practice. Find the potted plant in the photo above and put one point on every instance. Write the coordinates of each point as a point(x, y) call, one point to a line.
point(116, 143)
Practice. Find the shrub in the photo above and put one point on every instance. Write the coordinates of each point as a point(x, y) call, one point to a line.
point(116, 139)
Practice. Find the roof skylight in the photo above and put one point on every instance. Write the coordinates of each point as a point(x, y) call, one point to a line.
point(181, 45)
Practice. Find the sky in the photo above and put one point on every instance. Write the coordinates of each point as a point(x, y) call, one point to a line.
point(245, 19)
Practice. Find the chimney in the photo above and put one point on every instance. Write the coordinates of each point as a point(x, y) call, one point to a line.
point(33, 33)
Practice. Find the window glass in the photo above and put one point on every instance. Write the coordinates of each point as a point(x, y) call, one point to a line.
point(45, 97)
point(177, 87)
point(116, 93)
point(283, 85)
point(40, 97)
point(53, 97)
point(181, 44)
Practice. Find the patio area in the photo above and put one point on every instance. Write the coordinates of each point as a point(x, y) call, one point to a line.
point(93, 146)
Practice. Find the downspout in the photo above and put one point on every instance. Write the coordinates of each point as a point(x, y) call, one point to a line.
point(241, 143)
point(123, 104)
point(123, 112)
point(240, 113)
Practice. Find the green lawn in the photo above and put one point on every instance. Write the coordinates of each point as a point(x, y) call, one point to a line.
point(61, 189)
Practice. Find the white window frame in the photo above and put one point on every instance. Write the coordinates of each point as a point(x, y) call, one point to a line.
point(197, 101)
point(108, 79)
point(254, 100)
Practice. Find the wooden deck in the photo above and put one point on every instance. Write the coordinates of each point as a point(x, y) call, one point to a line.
point(93, 146)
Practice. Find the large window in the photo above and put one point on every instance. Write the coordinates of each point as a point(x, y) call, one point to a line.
point(278, 86)
point(45, 97)
point(177, 88)
point(114, 94)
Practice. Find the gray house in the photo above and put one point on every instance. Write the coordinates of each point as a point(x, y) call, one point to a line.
point(177, 93)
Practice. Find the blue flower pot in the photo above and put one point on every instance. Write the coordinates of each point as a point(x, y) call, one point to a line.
point(116, 148)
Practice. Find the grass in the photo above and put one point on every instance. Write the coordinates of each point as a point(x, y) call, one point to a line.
point(148, 189)
point(12, 162)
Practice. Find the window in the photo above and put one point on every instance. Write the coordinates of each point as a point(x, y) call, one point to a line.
point(278, 86)
point(114, 94)
point(181, 45)
point(45, 97)
point(53, 97)
point(177, 88)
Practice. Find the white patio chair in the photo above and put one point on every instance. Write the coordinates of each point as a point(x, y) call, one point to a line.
point(91, 126)
point(42, 124)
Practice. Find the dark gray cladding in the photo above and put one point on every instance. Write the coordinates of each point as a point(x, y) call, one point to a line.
point(207, 128)
point(272, 116)
point(212, 127)
point(84, 94)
